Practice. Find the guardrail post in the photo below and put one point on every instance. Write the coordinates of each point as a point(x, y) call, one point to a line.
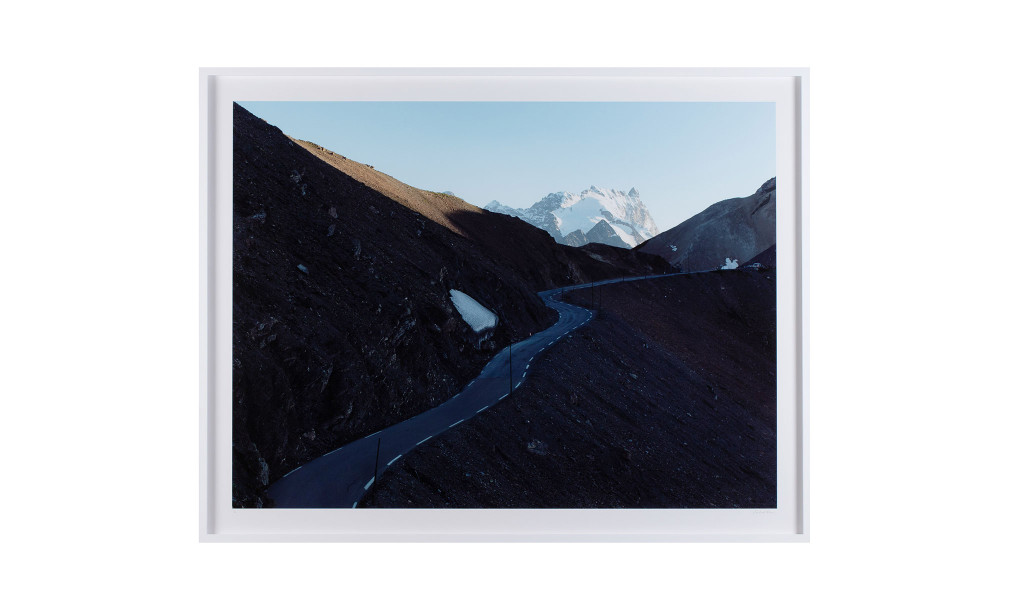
point(374, 488)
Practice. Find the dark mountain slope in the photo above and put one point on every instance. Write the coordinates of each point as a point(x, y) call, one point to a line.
point(342, 322)
point(511, 242)
point(768, 258)
point(667, 399)
point(738, 228)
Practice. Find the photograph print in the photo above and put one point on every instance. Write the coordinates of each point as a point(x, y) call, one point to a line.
point(527, 305)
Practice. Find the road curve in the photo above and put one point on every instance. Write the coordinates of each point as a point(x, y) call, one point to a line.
point(340, 478)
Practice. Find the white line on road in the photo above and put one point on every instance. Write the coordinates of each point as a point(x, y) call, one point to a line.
point(297, 469)
point(527, 366)
point(373, 434)
point(526, 372)
point(503, 397)
point(368, 484)
point(483, 409)
point(394, 459)
point(355, 505)
point(426, 439)
point(457, 423)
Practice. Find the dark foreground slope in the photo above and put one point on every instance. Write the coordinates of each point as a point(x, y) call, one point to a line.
point(738, 228)
point(342, 319)
point(509, 241)
point(667, 399)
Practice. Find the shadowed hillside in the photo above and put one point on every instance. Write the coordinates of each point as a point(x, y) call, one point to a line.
point(342, 319)
point(768, 258)
point(503, 238)
point(738, 228)
point(666, 400)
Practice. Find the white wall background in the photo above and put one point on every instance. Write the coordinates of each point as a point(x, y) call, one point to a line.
point(99, 334)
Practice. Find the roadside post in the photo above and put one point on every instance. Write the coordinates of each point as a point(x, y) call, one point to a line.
point(509, 368)
point(374, 488)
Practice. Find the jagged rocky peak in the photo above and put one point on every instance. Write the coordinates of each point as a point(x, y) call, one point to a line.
point(563, 213)
point(575, 238)
point(500, 208)
point(603, 233)
point(552, 200)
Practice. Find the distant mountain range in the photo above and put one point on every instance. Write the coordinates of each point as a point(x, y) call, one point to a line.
point(595, 215)
point(735, 229)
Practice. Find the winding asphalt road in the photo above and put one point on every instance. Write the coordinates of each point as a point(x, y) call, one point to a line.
point(340, 478)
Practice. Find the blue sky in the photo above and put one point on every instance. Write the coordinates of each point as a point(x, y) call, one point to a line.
point(681, 156)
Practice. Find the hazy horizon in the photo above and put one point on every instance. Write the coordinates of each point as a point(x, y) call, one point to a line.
point(681, 156)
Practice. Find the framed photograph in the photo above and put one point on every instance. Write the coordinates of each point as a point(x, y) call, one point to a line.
point(504, 305)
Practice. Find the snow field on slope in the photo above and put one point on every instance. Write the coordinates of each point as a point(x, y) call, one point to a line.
point(622, 233)
point(476, 315)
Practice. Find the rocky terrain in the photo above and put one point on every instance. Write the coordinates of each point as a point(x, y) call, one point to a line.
point(767, 259)
point(342, 319)
point(667, 399)
point(737, 229)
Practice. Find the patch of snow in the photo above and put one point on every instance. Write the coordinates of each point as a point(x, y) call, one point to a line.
point(624, 236)
point(730, 264)
point(673, 248)
point(582, 214)
point(476, 315)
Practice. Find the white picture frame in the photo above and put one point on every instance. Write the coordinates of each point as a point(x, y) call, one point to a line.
point(788, 88)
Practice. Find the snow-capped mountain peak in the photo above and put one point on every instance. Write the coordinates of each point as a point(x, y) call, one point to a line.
point(571, 218)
